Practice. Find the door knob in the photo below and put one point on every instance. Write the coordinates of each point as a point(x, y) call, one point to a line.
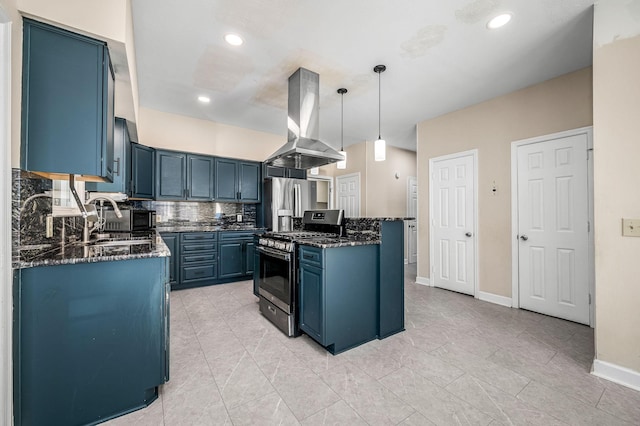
point(468, 234)
point(524, 237)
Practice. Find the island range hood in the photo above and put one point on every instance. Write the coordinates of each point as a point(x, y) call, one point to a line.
point(303, 149)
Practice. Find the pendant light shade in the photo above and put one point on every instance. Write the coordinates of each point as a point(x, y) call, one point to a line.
point(380, 146)
point(343, 163)
point(380, 150)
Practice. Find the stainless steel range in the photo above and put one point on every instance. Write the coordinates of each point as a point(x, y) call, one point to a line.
point(278, 266)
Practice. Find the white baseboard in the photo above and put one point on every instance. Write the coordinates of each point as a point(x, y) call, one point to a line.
point(494, 298)
point(617, 374)
point(423, 281)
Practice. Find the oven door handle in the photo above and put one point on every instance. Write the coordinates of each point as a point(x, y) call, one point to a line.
point(274, 253)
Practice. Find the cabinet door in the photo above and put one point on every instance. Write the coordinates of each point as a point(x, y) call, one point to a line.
point(172, 241)
point(226, 180)
point(231, 260)
point(65, 91)
point(121, 147)
point(249, 252)
point(312, 307)
point(142, 171)
point(108, 118)
point(199, 177)
point(249, 182)
point(170, 175)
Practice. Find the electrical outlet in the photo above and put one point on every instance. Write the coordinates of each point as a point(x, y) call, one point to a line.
point(49, 226)
point(631, 227)
point(494, 188)
point(158, 218)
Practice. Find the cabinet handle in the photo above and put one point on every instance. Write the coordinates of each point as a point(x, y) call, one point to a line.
point(308, 256)
point(238, 195)
point(273, 310)
point(117, 170)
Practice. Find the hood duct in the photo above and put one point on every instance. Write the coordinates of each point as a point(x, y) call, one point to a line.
point(303, 149)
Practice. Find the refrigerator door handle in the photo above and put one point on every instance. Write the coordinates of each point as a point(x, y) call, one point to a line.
point(296, 200)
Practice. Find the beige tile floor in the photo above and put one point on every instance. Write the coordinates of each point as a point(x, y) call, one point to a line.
point(460, 361)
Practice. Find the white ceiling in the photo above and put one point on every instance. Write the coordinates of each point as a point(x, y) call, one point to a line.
point(439, 56)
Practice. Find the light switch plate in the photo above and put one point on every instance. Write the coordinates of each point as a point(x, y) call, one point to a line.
point(631, 227)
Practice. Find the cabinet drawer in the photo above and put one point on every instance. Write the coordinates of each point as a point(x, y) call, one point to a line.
point(236, 235)
point(198, 236)
point(199, 257)
point(198, 246)
point(195, 273)
point(311, 256)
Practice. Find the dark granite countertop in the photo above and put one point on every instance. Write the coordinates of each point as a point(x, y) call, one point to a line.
point(77, 252)
point(203, 227)
point(334, 242)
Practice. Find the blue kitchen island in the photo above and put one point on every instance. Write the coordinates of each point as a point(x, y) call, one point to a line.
point(351, 290)
point(91, 332)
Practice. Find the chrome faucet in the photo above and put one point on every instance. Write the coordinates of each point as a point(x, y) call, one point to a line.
point(93, 198)
point(98, 223)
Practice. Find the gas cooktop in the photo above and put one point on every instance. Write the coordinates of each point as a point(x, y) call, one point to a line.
point(299, 235)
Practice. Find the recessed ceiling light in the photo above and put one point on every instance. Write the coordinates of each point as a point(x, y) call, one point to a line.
point(204, 99)
point(499, 21)
point(233, 39)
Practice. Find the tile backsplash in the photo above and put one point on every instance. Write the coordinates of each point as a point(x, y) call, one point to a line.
point(30, 206)
point(199, 212)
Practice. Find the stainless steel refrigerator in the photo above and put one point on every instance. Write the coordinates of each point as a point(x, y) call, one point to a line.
point(287, 198)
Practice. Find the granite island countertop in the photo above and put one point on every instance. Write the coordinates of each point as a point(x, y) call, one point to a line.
point(77, 252)
point(338, 242)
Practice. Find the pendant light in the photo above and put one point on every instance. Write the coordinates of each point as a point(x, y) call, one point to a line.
point(379, 146)
point(342, 164)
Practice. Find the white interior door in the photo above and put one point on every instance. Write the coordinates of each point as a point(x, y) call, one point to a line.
point(453, 224)
point(412, 225)
point(348, 194)
point(553, 234)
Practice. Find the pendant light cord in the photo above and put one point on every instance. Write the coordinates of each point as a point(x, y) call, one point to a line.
point(379, 104)
point(342, 122)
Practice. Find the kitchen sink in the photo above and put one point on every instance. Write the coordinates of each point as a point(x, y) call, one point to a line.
point(122, 243)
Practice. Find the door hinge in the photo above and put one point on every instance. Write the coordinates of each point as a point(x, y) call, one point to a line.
point(588, 226)
point(589, 298)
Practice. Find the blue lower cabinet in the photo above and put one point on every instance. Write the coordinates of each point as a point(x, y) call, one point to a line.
point(312, 306)
point(91, 340)
point(205, 258)
point(172, 240)
point(236, 250)
point(338, 295)
point(198, 259)
point(231, 259)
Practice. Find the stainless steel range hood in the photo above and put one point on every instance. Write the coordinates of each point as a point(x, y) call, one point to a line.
point(303, 149)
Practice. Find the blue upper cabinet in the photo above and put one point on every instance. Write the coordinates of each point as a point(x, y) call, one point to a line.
point(141, 171)
point(237, 180)
point(183, 176)
point(226, 179)
point(67, 103)
point(199, 177)
point(121, 157)
point(249, 182)
point(171, 170)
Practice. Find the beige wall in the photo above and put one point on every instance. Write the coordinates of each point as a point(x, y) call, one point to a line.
point(616, 95)
point(559, 104)
point(381, 194)
point(10, 8)
point(171, 131)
